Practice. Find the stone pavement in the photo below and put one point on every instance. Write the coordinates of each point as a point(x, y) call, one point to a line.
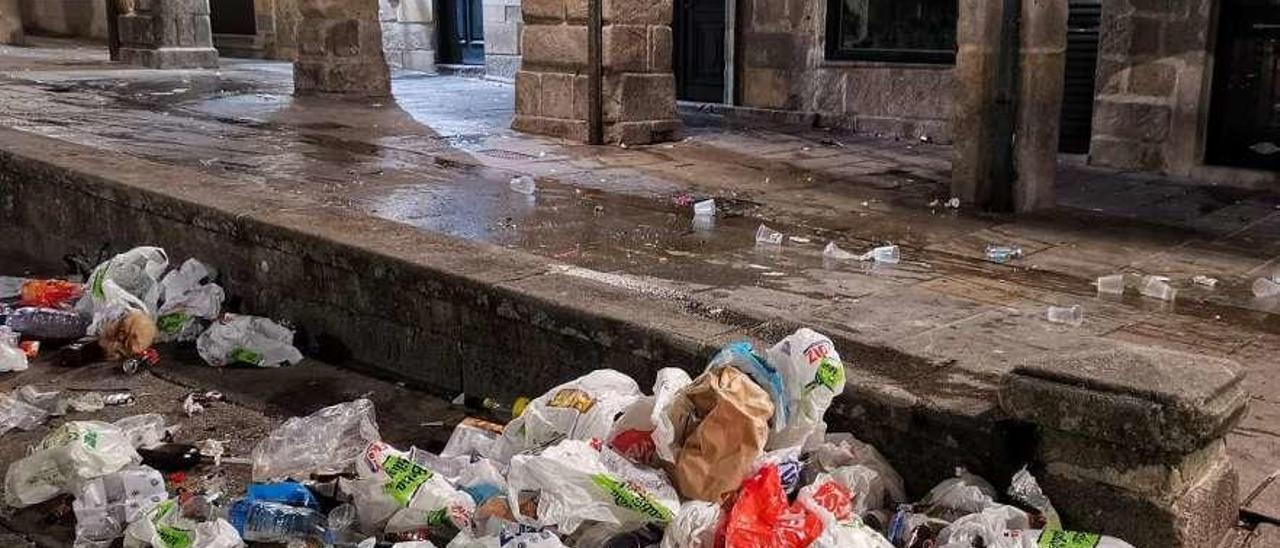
point(439, 156)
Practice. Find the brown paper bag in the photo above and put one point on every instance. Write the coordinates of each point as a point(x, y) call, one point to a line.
point(722, 424)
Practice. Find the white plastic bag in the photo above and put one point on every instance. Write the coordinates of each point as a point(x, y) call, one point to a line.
point(128, 281)
point(105, 506)
point(870, 489)
point(164, 527)
point(578, 483)
point(51, 401)
point(996, 526)
point(813, 376)
point(959, 496)
point(249, 340)
point(12, 358)
point(470, 438)
point(694, 526)
point(512, 536)
point(325, 442)
point(15, 413)
point(668, 384)
point(584, 408)
point(186, 300)
point(842, 449)
point(396, 494)
point(74, 453)
point(143, 431)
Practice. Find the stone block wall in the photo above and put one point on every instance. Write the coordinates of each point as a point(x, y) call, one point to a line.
point(81, 18)
point(340, 49)
point(409, 33)
point(503, 23)
point(638, 89)
point(10, 22)
point(783, 66)
point(168, 34)
point(1152, 84)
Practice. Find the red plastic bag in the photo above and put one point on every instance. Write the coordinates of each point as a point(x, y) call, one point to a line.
point(50, 293)
point(762, 517)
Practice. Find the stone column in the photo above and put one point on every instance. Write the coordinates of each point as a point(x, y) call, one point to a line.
point(340, 49)
point(1131, 440)
point(638, 87)
point(167, 34)
point(10, 22)
point(1009, 75)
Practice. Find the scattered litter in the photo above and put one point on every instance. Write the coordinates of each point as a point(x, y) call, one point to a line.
point(1157, 287)
point(325, 442)
point(12, 357)
point(249, 340)
point(799, 240)
point(774, 274)
point(1003, 253)
point(833, 252)
point(1205, 281)
point(47, 323)
point(768, 236)
point(190, 299)
point(888, 254)
point(1111, 285)
point(1069, 315)
point(524, 184)
point(50, 293)
point(1266, 288)
point(758, 266)
point(74, 453)
point(212, 449)
point(953, 203)
point(705, 208)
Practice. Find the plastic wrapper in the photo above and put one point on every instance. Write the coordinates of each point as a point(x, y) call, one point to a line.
point(762, 517)
point(1025, 490)
point(512, 536)
point(51, 401)
point(74, 453)
point(720, 450)
point(644, 433)
point(50, 293)
point(12, 358)
point(482, 480)
point(740, 355)
point(584, 408)
point(870, 489)
point(956, 497)
point(189, 298)
point(789, 466)
point(135, 273)
point(249, 340)
point(841, 449)
point(670, 381)
point(577, 482)
point(105, 506)
point(996, 526)
point(15, 413)
point(396, 494)
point(47, 323)
point(471, 438)
point(164, 527)
point(833, 503)
point(694, 526)
point(143, 431)
point(326, 442)
point(813, 376)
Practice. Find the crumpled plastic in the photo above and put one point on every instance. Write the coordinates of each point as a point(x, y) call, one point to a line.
point(1025, 490)
point(105, 506)
point(960, 496)
point(813, 376)
point(580, 409)
point(762, 517)
point(128, 281)
point(741, 356)
point(670, 381)
point(512, 536)
point(694, 526)
point(840, 450)
point(644, 433)
point(396, 494)
point(52, 402)
point(996, 526)
point(578, 482)
point(15, 413)
point(12, 358)
point(325, 442)
point(789, 466)
point(50, 293)
point(143, 431)
point(471, 438)
point(722, 422)
point(164, 527)
point(188, 297)
point(75, 452)
point(249, 340)
point(833, 503)
point(1056, 537)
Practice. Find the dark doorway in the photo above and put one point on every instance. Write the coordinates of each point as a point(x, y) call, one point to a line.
point(232, 17)
point(1244, 115)
point(461, 32)
point(699, 50)
point(1083, 26)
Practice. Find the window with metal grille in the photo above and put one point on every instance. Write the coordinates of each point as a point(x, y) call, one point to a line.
point(912, 31)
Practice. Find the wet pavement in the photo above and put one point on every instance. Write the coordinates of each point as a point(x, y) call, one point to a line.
point(440, 155)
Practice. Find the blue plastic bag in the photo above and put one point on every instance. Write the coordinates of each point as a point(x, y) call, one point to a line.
point(741, 356)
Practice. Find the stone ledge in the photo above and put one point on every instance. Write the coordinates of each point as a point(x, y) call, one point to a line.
point(1159, 401)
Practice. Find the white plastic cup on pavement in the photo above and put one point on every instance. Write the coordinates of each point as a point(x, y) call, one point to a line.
point(1069, 315)
point(1111, 285)
point(1266, 288)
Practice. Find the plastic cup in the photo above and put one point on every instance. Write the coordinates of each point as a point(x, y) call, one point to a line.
point(1157, 287)
point(1111, 285)
point(1266, 288)
point(768, 236)
point(1069, 315)
point(705, 208)
point(888, 254)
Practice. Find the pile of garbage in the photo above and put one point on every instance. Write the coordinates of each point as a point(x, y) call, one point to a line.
point(737, 457)
point(124, 307)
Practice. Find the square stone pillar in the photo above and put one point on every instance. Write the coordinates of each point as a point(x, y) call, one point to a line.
point(340, 49)
point(10, 22)
point(638, 87)
point(1010, 79)
point(1131, 440)
point(166, 34)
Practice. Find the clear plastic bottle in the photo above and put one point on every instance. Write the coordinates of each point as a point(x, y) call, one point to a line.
point(47, 323)
point(262, 521)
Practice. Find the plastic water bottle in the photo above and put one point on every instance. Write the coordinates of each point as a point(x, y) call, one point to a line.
point(262, 521)
point(1003, 253)
point(47, 323)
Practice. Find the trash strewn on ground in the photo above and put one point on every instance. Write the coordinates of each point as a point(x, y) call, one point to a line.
point(1070, 315)
point(1111, 284)
point(738, 455)
point(1003, 253)
point(1157, 287)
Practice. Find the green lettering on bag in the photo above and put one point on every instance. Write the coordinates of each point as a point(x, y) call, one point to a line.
point(628, 497)
point(404, 478)
point(1054, 538)
point(244, 355)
